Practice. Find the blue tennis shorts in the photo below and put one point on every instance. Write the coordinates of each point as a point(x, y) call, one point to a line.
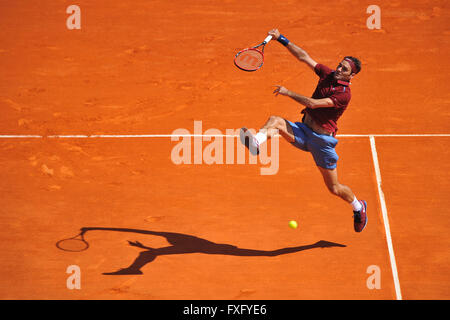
point(321, 146)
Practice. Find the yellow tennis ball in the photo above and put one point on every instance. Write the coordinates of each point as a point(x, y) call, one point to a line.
point(293, 224)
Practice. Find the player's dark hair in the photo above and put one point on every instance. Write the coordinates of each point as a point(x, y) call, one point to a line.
point(356, 62)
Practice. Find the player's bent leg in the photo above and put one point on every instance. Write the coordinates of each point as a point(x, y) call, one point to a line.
point(273, 126)
point(345, 193)
point(279, 123)
point(330, 178)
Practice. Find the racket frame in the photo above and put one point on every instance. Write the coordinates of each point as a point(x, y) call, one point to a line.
point(255, 48)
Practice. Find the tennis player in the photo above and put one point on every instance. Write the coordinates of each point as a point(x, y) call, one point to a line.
point(316, 133)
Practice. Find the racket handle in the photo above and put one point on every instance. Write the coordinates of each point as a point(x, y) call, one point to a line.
point(266, 40)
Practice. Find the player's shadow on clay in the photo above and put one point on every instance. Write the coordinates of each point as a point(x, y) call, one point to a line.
point(183, 243)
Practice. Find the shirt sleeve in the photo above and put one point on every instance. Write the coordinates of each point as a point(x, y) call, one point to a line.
point(340, 99)
point(322, 70)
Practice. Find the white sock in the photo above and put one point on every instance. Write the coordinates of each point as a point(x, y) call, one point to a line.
point(356, 205)
point(261, 137)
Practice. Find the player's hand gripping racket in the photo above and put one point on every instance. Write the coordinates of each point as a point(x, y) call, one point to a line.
point(74, 244)
point(251, 59)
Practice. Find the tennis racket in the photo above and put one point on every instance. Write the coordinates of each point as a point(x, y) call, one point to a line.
point(74, 244)
point(251, 59)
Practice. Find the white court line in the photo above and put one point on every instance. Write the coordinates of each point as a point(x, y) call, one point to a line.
point(94, 136)
point(19, 136)
point(385, 219)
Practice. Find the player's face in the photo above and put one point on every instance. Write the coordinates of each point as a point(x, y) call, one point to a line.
point(343, 71)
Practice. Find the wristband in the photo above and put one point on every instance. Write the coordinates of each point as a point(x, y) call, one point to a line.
point(283, 40)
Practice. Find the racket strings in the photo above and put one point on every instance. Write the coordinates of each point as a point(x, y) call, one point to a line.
point(250, 59)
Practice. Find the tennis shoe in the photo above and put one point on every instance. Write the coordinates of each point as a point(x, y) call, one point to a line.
point(249, 141)
point(360, 217)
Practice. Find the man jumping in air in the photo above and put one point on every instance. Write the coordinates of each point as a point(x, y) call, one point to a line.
point(316, 133)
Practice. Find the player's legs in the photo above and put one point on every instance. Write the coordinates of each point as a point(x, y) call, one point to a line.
point(331, 180)
point(273, 126)
point(359, 206)
point(284, 128)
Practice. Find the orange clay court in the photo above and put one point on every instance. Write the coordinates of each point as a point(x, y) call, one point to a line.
point(138, 70)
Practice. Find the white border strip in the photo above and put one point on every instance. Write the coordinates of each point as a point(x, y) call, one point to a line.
point(79, 136)
point(385, 219)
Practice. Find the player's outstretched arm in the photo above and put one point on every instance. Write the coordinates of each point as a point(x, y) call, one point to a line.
point(306, 101)
point(295, 50)
point(301, 55)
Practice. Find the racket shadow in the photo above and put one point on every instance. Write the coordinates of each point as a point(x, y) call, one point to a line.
point(184, 244)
